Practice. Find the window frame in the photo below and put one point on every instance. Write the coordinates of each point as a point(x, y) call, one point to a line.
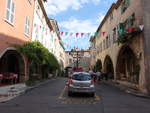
point(30, 1)
point(27, 26)
point(125, 4)
point(10, 13)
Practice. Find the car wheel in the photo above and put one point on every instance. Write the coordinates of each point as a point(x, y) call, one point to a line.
point(69, 93)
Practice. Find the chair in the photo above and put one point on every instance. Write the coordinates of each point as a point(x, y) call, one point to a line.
point(1, 77)
point(15, 77)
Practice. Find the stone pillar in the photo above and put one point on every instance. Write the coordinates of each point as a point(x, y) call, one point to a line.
point(146, 21)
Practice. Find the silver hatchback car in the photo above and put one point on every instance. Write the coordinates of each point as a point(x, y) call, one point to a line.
point(81, 82)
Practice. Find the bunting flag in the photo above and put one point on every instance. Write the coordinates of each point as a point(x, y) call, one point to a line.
point(51, 30)
point(96, 34)
point(43, 29)
point(34, 25)
point(62, 33)
point(82, 34)
point(66, 33)
point(103, 33)
point(54, 30)
point(141, 27)
point(88, 34)
point(76, 34)
point(71, 34)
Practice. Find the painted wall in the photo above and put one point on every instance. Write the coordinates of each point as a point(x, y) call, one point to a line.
point(11, 34)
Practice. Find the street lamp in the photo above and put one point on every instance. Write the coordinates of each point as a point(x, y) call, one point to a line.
point(76, 54)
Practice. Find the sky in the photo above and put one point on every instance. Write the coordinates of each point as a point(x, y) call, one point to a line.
point(77, 16)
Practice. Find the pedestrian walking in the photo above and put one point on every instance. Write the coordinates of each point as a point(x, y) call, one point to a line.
point(98, 74)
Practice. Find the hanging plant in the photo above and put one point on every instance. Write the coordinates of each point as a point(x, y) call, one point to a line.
point(128, 35)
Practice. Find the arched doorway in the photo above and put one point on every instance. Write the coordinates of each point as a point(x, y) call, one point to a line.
point(108, 67)
point(12, 62)
point(127, 68)
point(98, 65)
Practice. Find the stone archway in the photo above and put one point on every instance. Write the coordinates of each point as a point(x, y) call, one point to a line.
point(127, 67)
point(98, 65)
point(108, 67)
point(13, 62)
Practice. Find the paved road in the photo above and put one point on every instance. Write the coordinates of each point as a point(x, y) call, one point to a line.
point(52, 98)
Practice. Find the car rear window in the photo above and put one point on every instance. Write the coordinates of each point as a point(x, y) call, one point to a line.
point(81, 77)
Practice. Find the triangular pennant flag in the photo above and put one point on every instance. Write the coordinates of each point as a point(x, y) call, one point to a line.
point(43, 29)
point(103, 33)
point(54, 30)
point(34, 25)
point(82, 34)
point(141, 27)
point(88, 34)
point(40, 27)
point(66, 33)
point(62, 33)
point(71, 34)
point(77, 34)
point(96, 34)
point(51, 30)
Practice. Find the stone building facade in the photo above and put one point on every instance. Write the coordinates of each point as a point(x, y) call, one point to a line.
point(120, 44)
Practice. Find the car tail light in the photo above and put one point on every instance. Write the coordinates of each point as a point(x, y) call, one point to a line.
point(70, 82)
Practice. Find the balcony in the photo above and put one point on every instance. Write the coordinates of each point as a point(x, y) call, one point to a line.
point(128, 34)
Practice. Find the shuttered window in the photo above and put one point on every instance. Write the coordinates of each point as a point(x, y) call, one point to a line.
point(10, 11)
point(125, 5)
point(27, 25)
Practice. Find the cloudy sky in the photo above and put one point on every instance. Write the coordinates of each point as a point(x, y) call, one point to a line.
point(77, 16)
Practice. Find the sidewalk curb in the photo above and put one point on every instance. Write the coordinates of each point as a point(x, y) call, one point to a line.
point(26, 90)
point(38, 85)
point(127, 90)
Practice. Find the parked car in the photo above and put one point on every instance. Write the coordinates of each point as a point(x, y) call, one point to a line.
point(81, 82)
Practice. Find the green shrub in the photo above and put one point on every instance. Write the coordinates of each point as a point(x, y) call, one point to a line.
point(39, 56)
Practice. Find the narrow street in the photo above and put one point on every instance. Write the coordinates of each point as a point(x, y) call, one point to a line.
point(52, 98)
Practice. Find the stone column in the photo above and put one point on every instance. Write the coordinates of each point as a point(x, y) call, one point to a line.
point(146, 21)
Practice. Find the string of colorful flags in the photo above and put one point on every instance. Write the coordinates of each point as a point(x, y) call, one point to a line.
point(70, 34)
point(78, 34)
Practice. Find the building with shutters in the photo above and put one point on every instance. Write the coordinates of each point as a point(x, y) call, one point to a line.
point(16, 18)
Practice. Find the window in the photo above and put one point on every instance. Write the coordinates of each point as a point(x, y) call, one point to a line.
point(37, 34)
point(10, 11)
point(114, 35)
point(104, 44)
point(27, 26)
point(29, 1)
point(111, 16)
point(131, 20)
point(125, 5)
point(107, 41)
